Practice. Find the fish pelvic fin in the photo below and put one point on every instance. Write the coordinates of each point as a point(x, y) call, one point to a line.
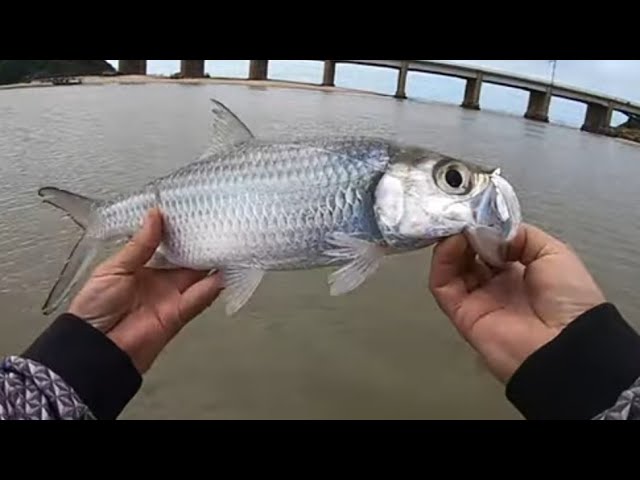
point(239, 286)
point(362, 260)
point(76, 264)
point(79, 208)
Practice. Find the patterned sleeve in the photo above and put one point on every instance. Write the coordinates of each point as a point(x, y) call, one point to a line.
point(627, 407)
point(31, 391)
point(71, 371)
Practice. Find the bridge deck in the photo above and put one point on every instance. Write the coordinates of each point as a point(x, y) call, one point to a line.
point(507, 80)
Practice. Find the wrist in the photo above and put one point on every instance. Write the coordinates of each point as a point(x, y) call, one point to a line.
point(507, 356)
point(141, 347)
point(99, 372)
point(582, 371)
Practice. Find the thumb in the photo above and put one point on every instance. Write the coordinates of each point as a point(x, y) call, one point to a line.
point(449, 264)
point(531, 244)
point(137, 251)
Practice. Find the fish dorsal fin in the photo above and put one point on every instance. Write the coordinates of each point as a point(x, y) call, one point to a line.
point(228, 130)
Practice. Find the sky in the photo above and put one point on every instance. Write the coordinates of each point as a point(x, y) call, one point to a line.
point(619, 78)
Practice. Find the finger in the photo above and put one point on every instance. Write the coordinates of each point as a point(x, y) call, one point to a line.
point(477, 274)
point(449, 264)
point(450, 260)
point(532, 243)
point(199, 296)
point(471, 281)
point(483, 272)
point(137, 251)
point(183, 278)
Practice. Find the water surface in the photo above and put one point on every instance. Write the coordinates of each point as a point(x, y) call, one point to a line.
point(385, 351)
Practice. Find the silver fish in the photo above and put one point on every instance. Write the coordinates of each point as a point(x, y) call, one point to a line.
point(248, 206)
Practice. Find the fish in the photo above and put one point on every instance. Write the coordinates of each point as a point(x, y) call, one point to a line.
point(249, 205)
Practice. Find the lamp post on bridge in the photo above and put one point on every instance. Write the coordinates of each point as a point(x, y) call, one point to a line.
point(554, 63)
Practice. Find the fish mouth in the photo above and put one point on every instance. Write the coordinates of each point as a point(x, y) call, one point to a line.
point(497, 217)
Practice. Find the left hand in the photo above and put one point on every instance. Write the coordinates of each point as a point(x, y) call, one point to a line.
point(508, 315)
point(141, 309)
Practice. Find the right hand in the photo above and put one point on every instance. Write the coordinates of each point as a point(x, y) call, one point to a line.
point(508, 315)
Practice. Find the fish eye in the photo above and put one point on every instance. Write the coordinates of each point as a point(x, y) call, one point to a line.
point(453, 177)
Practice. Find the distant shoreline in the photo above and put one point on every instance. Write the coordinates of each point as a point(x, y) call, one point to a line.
point(151, 79)
point(627, 135)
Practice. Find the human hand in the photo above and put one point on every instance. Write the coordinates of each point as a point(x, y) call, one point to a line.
point(508, 315)
point(141, 309)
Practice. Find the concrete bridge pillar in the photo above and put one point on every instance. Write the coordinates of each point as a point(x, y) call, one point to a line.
point(192, 68)
point(472, 93)
point(329, 75)
point(132, 67)
point(401, 90)
point(538, 108)
point(597, 119)
point(258, 69)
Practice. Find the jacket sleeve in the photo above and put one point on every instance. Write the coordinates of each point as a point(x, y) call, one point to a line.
point(72, 371)
point(591, 370)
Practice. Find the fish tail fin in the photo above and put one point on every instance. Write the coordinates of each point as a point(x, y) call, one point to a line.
point(79, 208)
point(76, 264)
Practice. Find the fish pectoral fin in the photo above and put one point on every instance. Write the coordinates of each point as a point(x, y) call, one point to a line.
point(240, 283)
point(228, 130)
point(364, 259)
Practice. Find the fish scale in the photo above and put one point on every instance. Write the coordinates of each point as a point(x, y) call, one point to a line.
point(249, 205)
point(201, 207)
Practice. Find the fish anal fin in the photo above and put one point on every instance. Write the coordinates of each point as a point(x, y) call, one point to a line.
point(240, 283)
point(160, 261)
point(363, 259)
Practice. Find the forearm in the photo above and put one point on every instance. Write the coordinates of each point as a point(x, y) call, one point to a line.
point(587, 372)
point(72, 371)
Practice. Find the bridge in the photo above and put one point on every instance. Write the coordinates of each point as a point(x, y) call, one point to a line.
point(597, 116)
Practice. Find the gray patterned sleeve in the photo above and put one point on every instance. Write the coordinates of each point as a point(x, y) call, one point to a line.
point(31, 391)
point(627, 407)
point(71, 371)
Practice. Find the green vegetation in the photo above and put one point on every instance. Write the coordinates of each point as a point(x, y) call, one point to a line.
point(18, 71)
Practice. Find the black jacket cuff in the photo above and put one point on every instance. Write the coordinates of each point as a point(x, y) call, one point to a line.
point(102, 375)
point(581, 372)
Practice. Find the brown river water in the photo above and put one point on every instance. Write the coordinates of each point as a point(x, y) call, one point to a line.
point(383, 352)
